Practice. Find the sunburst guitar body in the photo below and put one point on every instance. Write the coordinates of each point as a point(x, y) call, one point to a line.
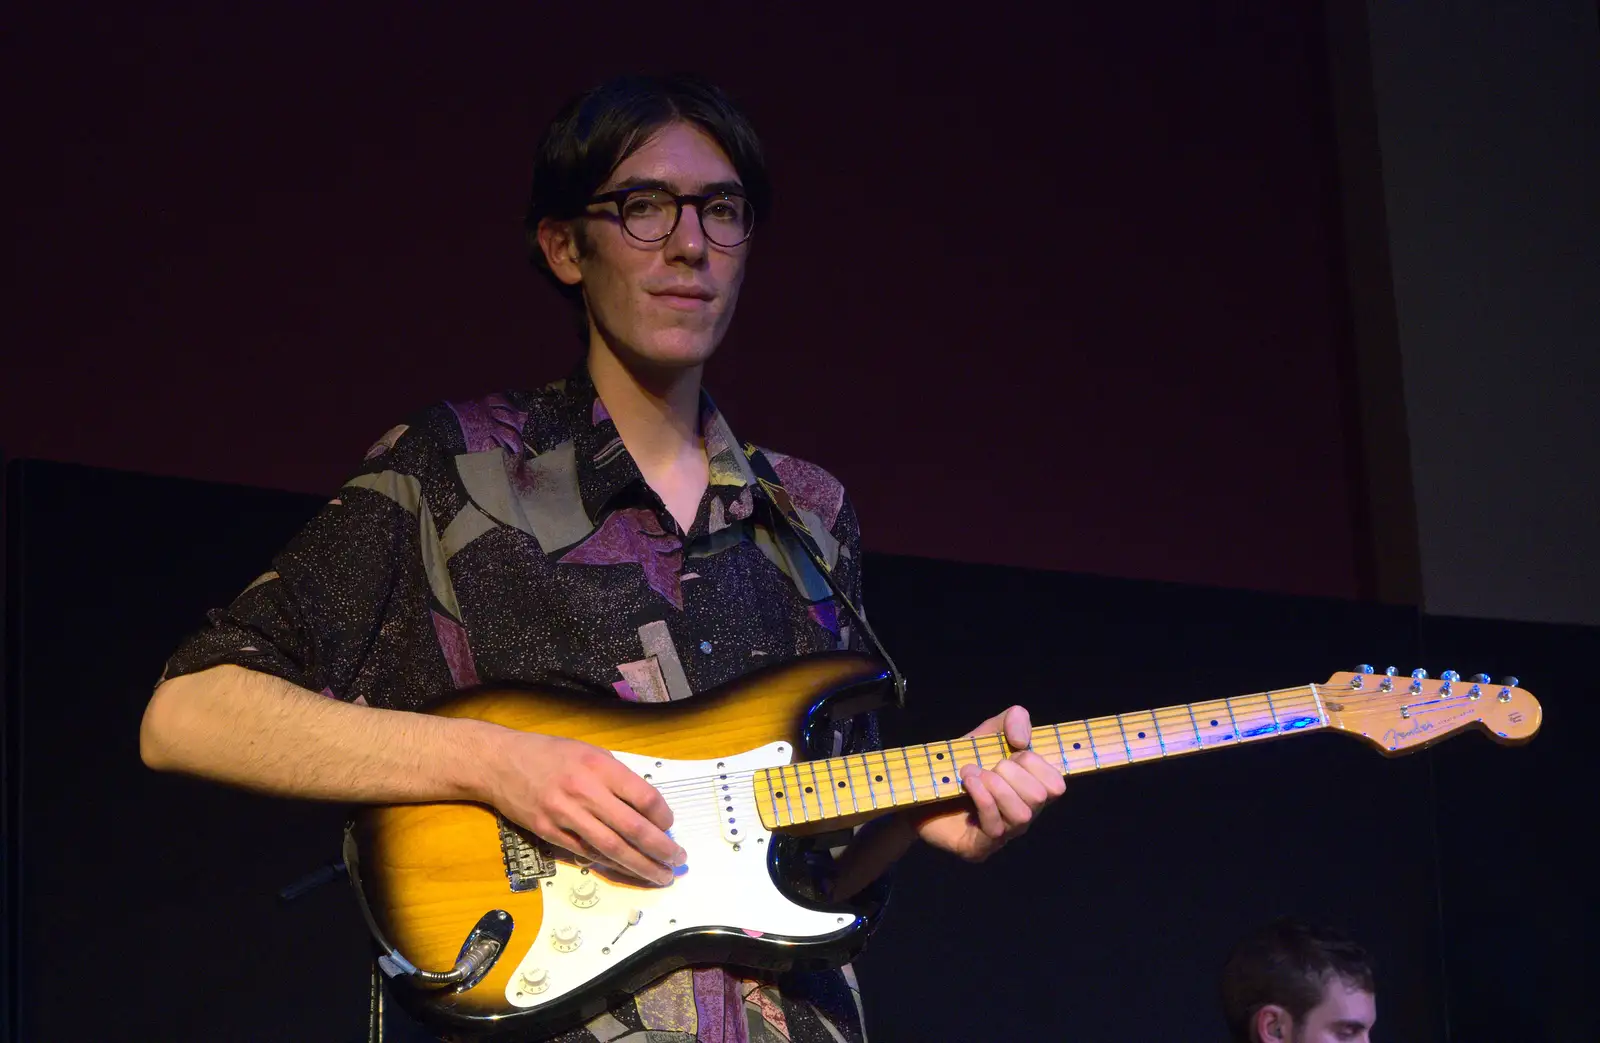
point(560, 939)
point(491, 933)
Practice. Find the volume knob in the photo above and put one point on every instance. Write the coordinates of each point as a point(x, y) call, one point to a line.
point(585, 892)
point(533, 979)
point(566, 938)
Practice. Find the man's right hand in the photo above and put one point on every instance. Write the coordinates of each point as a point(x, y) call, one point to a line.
point(582, 798)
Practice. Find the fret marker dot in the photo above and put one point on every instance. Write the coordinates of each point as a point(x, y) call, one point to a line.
point(947, 778)
point(878, 778)
point(779, 794)
point(1141, 735)
point(841, 785)
point(1213, 724)
point(939, 756)
point(1077, 745)
point(808, 789)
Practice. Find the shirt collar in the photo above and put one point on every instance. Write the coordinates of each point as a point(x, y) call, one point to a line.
point(606, 469)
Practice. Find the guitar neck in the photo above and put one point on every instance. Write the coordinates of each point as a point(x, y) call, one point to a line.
point(859, 785)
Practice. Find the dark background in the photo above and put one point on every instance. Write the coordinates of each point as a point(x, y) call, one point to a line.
point(1062, 294)
point(1090, 310)
point(149, 900)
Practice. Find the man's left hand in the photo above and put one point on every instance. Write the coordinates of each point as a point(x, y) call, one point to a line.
point(1004, 799)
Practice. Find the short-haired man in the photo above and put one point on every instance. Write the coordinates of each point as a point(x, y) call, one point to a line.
point(604, 533)
point(1291, 982)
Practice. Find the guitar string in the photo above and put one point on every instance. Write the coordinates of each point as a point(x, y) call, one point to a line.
point(858, 776)
point(859, 772)
point(744, 802)
point(1240, 704)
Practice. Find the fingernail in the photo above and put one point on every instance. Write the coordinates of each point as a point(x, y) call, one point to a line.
point(681, 858)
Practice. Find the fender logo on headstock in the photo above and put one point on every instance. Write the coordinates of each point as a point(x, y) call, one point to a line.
point(1516, 717)
point(1394, 736)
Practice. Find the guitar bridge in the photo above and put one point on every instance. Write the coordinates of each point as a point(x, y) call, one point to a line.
point(527, 859)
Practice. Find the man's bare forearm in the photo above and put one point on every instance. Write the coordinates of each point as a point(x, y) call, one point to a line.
point(263, 733)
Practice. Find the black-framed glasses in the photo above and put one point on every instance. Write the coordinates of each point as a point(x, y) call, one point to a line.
point(652, 214)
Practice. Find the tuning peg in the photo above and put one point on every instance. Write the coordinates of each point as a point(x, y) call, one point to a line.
point(1419, 674)
point(1480, 678)
point(1509, 682)
point(1391, 671)
point(1364, 668)
point(1388, 680)
point(1416, 680)
point(1449, 675)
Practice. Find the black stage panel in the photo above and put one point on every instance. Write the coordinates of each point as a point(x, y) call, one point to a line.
point(150, 900)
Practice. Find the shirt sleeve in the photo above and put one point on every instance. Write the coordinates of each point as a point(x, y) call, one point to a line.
point(345, 609)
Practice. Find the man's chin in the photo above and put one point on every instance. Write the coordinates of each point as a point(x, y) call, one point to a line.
point(673, 353)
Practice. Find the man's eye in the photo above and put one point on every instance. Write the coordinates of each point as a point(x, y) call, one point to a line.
point(641, 206)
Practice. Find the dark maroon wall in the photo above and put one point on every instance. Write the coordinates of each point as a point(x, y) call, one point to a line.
point(1062, 293)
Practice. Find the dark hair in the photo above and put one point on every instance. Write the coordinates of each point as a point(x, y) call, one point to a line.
point(594, 132)
point(1288, 963)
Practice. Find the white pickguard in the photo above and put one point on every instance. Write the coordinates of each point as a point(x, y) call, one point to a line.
point(725, 882)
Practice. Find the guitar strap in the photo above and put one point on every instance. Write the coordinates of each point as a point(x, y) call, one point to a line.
point(772, 488)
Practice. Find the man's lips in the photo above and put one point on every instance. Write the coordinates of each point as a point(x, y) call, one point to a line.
point(687, 298)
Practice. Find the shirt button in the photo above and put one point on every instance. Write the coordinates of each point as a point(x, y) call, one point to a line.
point(705, 646)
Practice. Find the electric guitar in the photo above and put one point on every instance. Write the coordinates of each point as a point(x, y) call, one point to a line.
point(499, 934)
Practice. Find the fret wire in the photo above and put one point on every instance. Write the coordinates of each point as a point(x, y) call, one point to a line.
point(850, 781)
point(799, 789)
point(927, 756)
point(1199, 743)
point(1126, 748)
point(910, 776)
point(872, 792)
point(888, 775)
point(1159, 740)
point(816, 784)
point(1273, 712)
point(953, 771)
point(833, 787)
point(1227, 704)
point(1061, 747)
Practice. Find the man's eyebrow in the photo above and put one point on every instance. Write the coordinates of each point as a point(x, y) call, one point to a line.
point(709, 189)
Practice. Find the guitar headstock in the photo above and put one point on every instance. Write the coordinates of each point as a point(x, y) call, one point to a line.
point(1398, 714)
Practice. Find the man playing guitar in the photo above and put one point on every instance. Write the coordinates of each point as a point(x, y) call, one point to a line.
point(605, 532)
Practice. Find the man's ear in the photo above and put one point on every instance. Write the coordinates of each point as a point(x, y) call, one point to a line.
point(558, 239)
point(1273, 1024)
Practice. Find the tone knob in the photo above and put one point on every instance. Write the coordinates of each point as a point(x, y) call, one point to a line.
point(533, 979)
point(585, 892)
point(566, 938)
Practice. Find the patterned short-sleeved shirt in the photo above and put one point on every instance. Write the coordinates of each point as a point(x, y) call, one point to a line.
point(513, 539)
